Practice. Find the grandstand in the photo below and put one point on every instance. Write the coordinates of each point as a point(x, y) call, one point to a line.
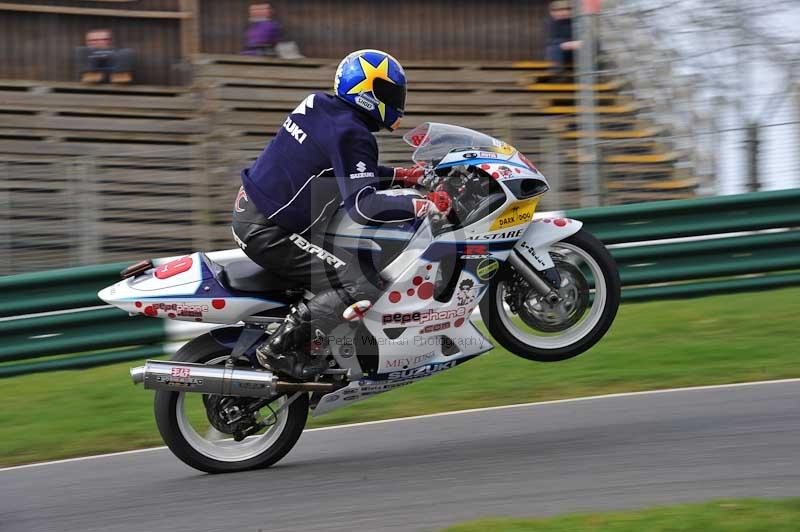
point(102, 173)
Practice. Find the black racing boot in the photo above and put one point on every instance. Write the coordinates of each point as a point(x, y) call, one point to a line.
point(292, 350)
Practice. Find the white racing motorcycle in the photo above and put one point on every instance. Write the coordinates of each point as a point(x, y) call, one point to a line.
point(547, 291)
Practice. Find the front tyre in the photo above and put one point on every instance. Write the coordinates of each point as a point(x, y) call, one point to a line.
point(191, 428)
point(523, 322)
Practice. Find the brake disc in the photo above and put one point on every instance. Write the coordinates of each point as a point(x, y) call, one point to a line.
point(537, 313)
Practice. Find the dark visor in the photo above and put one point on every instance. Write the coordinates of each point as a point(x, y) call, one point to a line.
point(390, 93)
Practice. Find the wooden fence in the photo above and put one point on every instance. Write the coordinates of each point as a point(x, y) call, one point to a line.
point(94, 174)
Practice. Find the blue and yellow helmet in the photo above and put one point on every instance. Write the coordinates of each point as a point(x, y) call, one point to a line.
point(373, 82)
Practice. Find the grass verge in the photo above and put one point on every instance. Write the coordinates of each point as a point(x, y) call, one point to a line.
point(714, 340)
point(744, 515)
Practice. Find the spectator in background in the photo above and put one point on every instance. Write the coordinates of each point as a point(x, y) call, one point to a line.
point(100, 62)
point(263, 33)
point(560, 44)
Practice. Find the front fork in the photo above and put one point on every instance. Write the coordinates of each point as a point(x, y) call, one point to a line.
point(531, 254)
point(545, 282)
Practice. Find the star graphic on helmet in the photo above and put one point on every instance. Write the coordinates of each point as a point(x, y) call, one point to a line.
point(370, 74)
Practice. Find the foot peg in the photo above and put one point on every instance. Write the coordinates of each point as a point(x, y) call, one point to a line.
point(356, 311)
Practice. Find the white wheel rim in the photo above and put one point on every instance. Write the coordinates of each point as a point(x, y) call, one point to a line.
point(574, 333)
point(220, 446)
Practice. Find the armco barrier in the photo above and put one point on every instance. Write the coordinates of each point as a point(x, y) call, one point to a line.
point(70, 288)
point(57, 319)
point(706, 246)
point(717, 251)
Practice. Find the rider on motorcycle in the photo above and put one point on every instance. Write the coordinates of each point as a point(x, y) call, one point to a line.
point(324, 155)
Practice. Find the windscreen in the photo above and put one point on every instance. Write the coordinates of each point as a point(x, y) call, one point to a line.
point(434, 140)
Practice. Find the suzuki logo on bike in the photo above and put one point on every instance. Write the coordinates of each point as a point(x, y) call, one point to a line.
point(424, 371)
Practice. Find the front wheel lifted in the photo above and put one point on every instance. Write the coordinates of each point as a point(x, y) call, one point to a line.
point(219, 434)
point(533, 327)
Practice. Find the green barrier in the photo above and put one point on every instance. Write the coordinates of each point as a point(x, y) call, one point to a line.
point(789, 240)
point(709, 266)
point(111, 317)
point(83, 361)
point(688, 268)
point(69, 332)
point(681, 218)
point(31, 293)
point(708, 288)
point(138, 331)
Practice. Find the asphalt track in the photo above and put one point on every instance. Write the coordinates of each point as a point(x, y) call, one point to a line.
point(421, 474)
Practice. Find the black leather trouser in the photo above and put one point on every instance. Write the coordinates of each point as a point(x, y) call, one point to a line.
point(310, 261)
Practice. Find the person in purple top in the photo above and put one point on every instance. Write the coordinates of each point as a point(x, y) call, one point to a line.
point(263, 32)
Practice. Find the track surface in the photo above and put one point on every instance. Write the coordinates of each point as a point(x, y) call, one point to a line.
point(615, 452)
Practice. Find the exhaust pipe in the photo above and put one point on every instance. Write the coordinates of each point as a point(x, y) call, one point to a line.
point(218, 380)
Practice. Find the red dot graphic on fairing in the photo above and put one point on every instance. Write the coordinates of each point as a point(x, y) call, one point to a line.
point(138, 304)
point(150, 311)
point(459, 322)
point(561, 222)
point(394, 297)
point(410, 291)
point(429, 266)
point(425, 291)
point(218, 303)
point(171, 314)
point(417, 280)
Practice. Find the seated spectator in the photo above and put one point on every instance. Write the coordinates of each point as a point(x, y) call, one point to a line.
point(560, 44)
point(263, 33)
point(100, 62)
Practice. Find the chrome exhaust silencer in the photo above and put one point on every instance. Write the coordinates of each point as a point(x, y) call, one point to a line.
point(220, 380)
point(188, 377)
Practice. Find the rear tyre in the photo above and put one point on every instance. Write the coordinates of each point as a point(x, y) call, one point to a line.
point(522, 322)
point(218, 453)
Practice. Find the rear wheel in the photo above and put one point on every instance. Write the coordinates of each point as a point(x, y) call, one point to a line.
point(199, 428)
point(526, 324)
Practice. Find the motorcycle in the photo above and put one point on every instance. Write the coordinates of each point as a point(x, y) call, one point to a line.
point(545, 288)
